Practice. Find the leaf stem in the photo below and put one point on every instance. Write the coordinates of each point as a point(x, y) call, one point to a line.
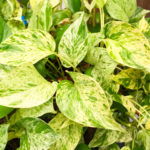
point(94, 17)
point(102, 18)
point(62, 72)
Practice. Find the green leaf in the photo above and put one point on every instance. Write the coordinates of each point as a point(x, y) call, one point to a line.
point(5, 31)
point(26, 46)
point(84, 102)
point(24, 87)
point(4, 135)
point(73, 5)
point(121, 9)
point(9, 9)
point(5, 111)
point(103, 138)
point(144, 138)
point(37, 134)
point(88, 5)
point(126, 148)
point(127, 45)
point(130, 78)
point(139, 14)
point(100, 3)
point(32, 112)
point(69, 131)
point(72, 46)
point(111, 147)
point(42, 16)
point(82, 147)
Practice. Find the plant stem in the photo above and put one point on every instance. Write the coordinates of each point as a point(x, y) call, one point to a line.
point(94, 17)
point(102, 17)
point(60, 68)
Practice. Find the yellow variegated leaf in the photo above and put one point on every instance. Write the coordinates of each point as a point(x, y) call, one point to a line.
point(84, 101)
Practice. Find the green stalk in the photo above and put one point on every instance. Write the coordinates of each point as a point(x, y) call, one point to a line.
point(102, 17)
point(94, 17)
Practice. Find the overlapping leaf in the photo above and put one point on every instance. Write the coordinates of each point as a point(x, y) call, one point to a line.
point(37, 134)
point(26, 46)
point(24, 87)
point(5, 111)
point(69, 131)
point(4, 136)
point(84, 102)
point(121, 9)
point(72, 46)
point(127, 45)
point(42, 16)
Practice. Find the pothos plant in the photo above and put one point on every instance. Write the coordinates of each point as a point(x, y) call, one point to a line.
point(74, 77)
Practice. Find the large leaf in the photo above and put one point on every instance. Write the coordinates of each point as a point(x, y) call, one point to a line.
point(84, 102)
point(121, 9)
point(37, 134)
point(4, 136)
point(69, 131)
point(42, 16)
point(73, 5)
point(32, 112)
point(24, 87)
point(26, 46)
point(5, 31)
point(127, 45)
point(103, 138)
point(5, 111)
point(72, 46)
point(130, 78)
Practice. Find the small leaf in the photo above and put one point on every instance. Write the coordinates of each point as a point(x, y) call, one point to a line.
point(103, 138)
point(42, 16)
point(37, 134)
point(32, 112)
point(72, 46)
point(26, 46)
point(121, 9)
point(84, 102)
point(4, 136)
point(24, 87)
point(69, 131)
point(5, 31)
point(5, 111)
point(127, 45)
point(130, 78)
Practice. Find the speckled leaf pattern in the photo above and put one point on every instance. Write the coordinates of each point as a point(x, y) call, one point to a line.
point(130, 78)
point(69, 131)
point(37, 134)
point(111, 147)
point(5, 31)
point(24, 87)
point(127, 45)
point(84, 101)
point(72, 46)
point(26, 46)
point(100, 3)
point(42, 16)
point(121, 9)
point(103, 138)
point(3, 136)
point(33, 112)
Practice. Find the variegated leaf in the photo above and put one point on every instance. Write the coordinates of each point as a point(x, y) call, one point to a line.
point(84, 101)
point(130, 78)
point(26, 46)
point(127, 45)
point(121, 9)
point(3, 136)
point(5, 31)
point(32, 112)
point(69, 131)
point(42, 16)
point(24, 87)
point(72, 46)
point(111, 147)
point(36, 134)
point(103, 138)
